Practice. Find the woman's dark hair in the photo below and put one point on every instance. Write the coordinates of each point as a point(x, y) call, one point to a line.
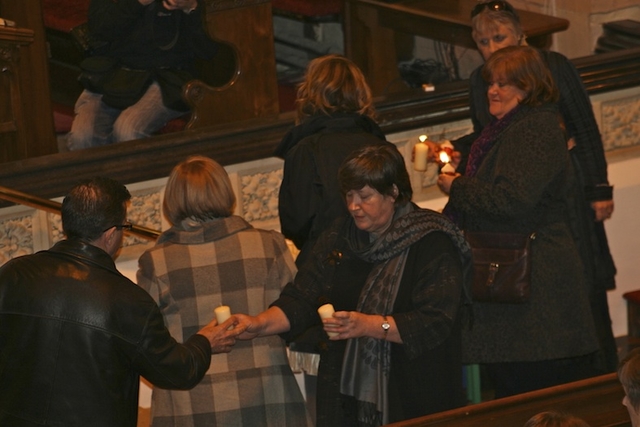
point(523, 67)
point(92, 207)
point(379, 167)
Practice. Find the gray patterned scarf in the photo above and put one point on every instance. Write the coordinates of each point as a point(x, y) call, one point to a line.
point(367, 361)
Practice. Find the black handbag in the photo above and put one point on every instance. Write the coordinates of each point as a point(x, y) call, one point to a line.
point(501, 266)
point(125, 87)
point(120, 87)
point(95, 71)
point(172, 83)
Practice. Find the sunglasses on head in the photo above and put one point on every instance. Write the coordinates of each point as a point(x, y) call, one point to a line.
point(494, 6)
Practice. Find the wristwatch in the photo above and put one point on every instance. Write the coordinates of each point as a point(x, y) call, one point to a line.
point(385, 326)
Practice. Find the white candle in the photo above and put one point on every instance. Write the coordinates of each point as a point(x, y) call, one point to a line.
point(222, 313)
point(420, 156)
point(326, 311)
point(448, 169)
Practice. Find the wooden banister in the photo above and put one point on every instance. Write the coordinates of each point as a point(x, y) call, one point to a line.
point(598, 401)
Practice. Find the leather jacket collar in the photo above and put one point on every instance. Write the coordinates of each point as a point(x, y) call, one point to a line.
point(85, 252)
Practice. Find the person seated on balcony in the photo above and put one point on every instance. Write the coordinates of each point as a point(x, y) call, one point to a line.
point(142, 53)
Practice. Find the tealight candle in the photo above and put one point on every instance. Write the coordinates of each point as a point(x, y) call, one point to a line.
point(448, 169)
point(222, 313)
point(326, 311)
point(420, 154)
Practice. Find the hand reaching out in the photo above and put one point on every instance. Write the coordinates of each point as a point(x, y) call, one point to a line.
point(221, 338)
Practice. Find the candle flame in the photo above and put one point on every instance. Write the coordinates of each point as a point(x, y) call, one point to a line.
point(444, 157)
point(422, 138)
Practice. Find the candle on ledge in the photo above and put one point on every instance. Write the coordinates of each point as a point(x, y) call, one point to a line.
point(326, 311)
point(222, 313)
point(420, 154)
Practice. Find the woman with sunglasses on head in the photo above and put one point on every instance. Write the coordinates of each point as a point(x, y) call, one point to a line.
point(496, 25)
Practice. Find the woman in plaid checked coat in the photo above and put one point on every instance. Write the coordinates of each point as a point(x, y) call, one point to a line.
point(210, 257)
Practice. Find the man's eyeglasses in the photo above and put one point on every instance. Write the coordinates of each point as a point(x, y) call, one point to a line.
point(126, 226)
point(494, 6)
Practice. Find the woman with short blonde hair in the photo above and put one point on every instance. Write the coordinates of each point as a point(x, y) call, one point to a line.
point(208, 258)
point(198, 188)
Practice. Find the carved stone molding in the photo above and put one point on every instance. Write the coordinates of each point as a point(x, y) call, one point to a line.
point(260, 195)
point(16, 237)
point(620, 125)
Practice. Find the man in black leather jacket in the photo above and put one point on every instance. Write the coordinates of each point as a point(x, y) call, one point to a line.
point(75, 334)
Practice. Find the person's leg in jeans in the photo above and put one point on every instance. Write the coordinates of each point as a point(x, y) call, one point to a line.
point(93, 122)
point(145, 117)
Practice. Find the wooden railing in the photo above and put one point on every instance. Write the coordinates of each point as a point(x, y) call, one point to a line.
point(20, 198)
point(598, 401)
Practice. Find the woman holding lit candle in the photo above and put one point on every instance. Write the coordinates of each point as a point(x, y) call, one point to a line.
point(211, 262)
point(495, 25)
point(396, 277)
point(517, 180)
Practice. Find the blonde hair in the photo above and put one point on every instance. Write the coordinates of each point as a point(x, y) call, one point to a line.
point(198, 188)
point(489, 21)
point(523, 67)
point(333, 84)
